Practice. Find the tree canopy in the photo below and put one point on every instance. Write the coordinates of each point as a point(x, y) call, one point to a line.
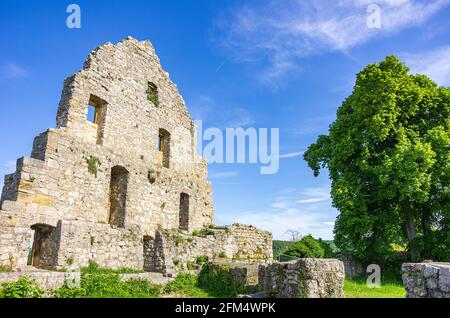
point(306, 247)
point(388, 157)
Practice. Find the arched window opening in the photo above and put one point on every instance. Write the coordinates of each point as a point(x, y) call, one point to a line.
point(96, 111)
point(118, 196)
point(152, 94)
point(164, 146)
point(184, 211)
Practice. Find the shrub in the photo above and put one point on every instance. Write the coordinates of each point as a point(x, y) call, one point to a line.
point(217, 281)
point(180, 283)
point(307, 247)
point(24, 287)
point(108, 286)
point(329, 248)
point(185, 285)
point(65, 291)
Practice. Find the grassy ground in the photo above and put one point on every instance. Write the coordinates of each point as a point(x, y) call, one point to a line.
point(357, 288)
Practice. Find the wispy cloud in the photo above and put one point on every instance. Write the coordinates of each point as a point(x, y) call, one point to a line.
point(291, 155)
point(13, 71)
point(314, 195)
point(306, 210)
point(434, 63)
point(223, 174)
point(281, 33)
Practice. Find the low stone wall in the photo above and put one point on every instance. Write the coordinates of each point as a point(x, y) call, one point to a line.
point(46, 280)
point(251, 243)
point(245, 274)
point(426, 280)
point(172, 251)
point(51, 280)
point(303, 278)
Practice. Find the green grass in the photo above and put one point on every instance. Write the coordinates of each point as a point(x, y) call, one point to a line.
point(213, 281)
point(94, 268)
point(108, 286)
point(186, 285)
point(357, 288)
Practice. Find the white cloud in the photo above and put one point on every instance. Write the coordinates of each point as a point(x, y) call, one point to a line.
point(278, 33)
point(314, 195)
point(287, 213)
point(292, 154)
point(13, 71)
point(434, 63)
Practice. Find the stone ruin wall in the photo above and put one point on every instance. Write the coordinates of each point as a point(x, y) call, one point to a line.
point(426, 280)
point(57, 182)
point(303, 278)
point(60, 178)
point(172, 251)
point(65, 186)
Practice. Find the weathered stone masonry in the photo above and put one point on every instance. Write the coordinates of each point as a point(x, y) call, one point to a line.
point(426, 280)
point(102, 184)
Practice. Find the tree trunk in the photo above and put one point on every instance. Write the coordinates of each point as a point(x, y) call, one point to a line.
point(412, 235)
point(427, 232)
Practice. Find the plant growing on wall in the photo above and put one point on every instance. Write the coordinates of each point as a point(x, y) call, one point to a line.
point(93, 165)
point(152, 94)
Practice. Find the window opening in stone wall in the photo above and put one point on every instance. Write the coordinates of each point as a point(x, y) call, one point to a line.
point(118, 196)
point(152, 94)
point(164, 146)
point(96, 110)
point(184, 211)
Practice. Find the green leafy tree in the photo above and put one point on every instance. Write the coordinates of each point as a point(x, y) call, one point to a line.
point(307, 247)
point(388, 157)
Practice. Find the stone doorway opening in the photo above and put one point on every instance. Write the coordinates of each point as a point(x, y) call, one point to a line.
point(118, 196)
point(44, 246)
point(149, 254)
point(184, 212)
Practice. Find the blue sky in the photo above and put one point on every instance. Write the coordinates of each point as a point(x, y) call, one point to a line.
point(257, 63)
